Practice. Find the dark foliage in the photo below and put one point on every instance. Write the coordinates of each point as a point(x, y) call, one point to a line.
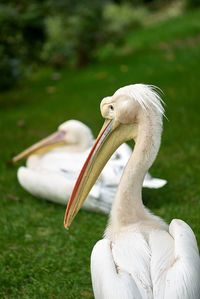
point(192, 4)
point(22, 34)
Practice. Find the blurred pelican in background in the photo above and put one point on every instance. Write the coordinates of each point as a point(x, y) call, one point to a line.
point(53, 165)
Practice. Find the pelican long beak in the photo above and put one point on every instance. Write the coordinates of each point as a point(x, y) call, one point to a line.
point(109, 139)
point(43, 145)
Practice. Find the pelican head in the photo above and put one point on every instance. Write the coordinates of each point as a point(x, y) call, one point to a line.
point(77, 133)
point(123, 113)
point(71, 132)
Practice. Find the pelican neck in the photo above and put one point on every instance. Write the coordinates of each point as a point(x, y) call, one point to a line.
point(128, 207)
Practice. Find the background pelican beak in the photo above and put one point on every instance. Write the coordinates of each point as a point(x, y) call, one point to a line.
point(109, 139)
point(42, 146)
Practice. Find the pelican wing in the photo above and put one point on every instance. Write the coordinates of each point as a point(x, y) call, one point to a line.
point(162, 266)
point(162, 256)
point(132, 254)
point(45, 184)
point(56, 186)
point(183, 277)
point(107, 282)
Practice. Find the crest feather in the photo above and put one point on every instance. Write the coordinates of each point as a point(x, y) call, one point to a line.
point(146, 95)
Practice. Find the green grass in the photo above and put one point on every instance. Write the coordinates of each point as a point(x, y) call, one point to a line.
point(39, 258)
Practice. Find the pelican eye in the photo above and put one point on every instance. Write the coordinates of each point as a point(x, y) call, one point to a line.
point(111, 107)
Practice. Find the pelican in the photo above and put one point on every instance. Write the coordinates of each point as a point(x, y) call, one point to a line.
point(54, 163)
point(140, 255)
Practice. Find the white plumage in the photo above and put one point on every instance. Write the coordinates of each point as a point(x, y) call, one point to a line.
point(164, 265)
point(51, 174)
point(140, 257)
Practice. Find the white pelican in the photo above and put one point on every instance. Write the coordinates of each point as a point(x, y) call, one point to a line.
point(140, 255)
point(55, 162)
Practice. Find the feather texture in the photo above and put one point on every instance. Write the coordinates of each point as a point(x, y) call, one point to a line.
point(163, 266)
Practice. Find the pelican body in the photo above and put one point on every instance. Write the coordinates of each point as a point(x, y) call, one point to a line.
point(140, 255)
point(53, 165)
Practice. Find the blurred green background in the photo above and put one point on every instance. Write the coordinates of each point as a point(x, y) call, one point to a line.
point(58, 59)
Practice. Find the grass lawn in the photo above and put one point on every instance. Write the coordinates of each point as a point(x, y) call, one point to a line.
point(39, 258)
